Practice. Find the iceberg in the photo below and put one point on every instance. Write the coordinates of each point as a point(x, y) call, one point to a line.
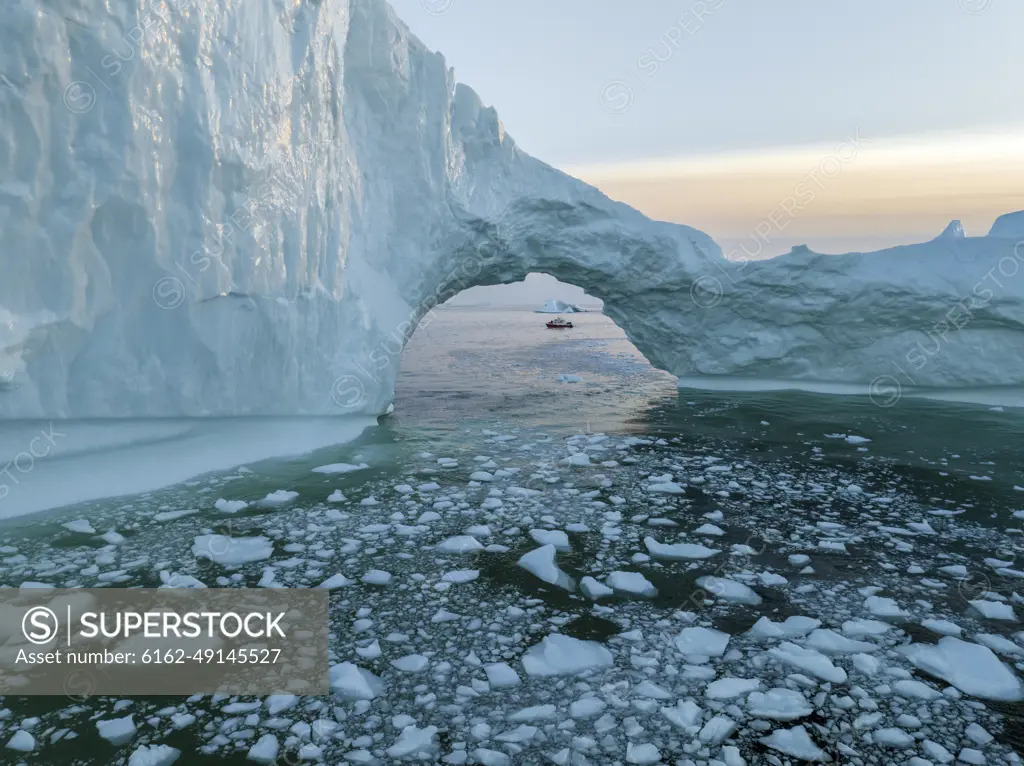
point(258, 230)
point(558, 307)
point(955, 230)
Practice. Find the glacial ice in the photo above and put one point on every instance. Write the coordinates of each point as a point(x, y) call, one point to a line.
point(971, 668)
point(258, 229)
point(554, 306)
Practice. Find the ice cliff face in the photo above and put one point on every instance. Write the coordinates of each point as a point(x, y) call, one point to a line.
point(246, 206)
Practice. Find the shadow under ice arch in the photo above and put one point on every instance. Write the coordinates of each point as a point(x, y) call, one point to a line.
point(349, 213)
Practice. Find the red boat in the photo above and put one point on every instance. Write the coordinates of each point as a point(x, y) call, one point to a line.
point(559, 324)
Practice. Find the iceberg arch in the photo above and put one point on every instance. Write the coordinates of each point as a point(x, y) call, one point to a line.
point(247, 208)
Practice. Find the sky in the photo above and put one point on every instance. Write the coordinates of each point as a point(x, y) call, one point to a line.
point(711, 113)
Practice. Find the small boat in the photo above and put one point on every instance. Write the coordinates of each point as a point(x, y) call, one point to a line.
point(559, 324)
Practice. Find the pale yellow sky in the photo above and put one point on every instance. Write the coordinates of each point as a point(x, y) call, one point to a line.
point(862, 193)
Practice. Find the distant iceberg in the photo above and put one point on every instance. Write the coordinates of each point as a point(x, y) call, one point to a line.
point(955, 230)
point(559, 307)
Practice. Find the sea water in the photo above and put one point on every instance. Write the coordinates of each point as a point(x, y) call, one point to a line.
point(548, 553)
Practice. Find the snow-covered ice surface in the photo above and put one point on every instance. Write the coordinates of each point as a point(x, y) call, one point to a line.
point(209, 252)
point(55, 463)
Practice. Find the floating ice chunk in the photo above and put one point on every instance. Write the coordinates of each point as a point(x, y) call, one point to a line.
point(335, 581)
point(443, 615)
point(594, 590)
point(650, 690)
point(337, 496)
point(117, 731)
point(830, 642)
point(717, 730)
point(265, 750)
point(994, 610)
point(412, 741)
point(460, 576)
point(278, 703)
point(971, 755)
point(892, 737)
point(112, 537)
point(703, 642)
point(481, 476)
point(936, 752)
point(535, 713)
point(832, 545)
point(554, 537)
point(500, 675)
point(866, 664)
point(371, 652)
point(578, 459)
point(175, 580)
point(778, 705)
point(588, 707)
point(797, 743)
point(335, 468)
point(232, 552)
point(728, 590)
point(730, 688)
point(377, 577)
point(998, 563)
point(561, 655)
point(154, 755)
point(631, 582)
point(668, 487)
point(486, 757)
point(884, 607)
point(21, 742)
point(540, 562)
point(278, 499)
point(522, 733)
point(911, 689)
point(792, 627)
point(351, 682)
point(971, 668)
point(999, 644)
point(809, 660)
point(81, 526)
point(709, 529)
point(678, 551)
point(230, 506)
point(978, 735)
point(523, 492)
point(411, 663)
point(172, 515)
point(942, 627)
point(685, 715)
point(459, 544)
point(769, 579)
point(862, 627)
point(645, 753)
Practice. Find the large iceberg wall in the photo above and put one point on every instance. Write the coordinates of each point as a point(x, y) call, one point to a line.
point(246, 207)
